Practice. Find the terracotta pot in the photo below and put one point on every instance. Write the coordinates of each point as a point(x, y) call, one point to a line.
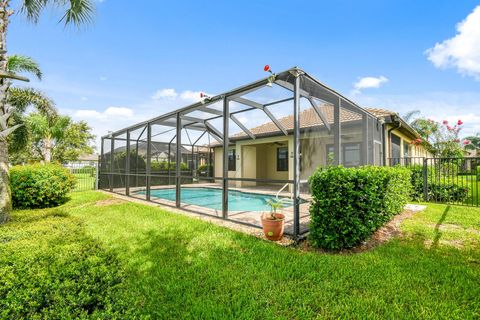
point(273, 229)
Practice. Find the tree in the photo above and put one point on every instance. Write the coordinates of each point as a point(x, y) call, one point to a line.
point(54, 138)
point(440, 139)
point(13, 133)
point(46, 132)
point(76, 141)
point(473, 142)
point(76, 12)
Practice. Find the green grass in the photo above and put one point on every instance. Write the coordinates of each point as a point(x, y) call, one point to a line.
point(174, 266)
point(85, 182)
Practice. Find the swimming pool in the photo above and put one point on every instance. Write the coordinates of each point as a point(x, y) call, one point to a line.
point(212, 198)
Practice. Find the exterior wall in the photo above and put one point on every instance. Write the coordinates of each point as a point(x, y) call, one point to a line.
point(218, 164)
point(258, 158)
point(414, 151)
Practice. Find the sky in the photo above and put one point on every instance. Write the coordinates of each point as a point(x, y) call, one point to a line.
point(141, 59)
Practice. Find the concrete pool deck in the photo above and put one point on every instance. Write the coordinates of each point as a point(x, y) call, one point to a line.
point(242, 217)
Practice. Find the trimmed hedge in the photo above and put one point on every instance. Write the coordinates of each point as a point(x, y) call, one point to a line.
point(447, 193)
point(348, 205)
point(444, 190)
point(40, 186)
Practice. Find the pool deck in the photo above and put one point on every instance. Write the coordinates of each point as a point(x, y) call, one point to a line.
point(243, 217)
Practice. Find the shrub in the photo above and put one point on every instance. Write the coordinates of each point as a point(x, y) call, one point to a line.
point(440, 188)
point(447, 193)
point(417, 182)
point(51, 269)
point(164, 166)
point(350, 204)
point(40, 186)
point(205, 170)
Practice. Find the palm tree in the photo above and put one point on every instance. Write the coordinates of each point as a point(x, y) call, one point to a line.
point(46, 131)
point(76, 12)
point(13, 134)
point(410, 116)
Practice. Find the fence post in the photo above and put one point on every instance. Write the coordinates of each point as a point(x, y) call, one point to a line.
point(425, 179)
point(97, 169)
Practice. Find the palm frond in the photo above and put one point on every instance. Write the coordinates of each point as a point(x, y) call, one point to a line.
point(18, 63)
point(18, 139)
point(33, 8)
point(22, 98)
point(76, 12)
point(408, 117)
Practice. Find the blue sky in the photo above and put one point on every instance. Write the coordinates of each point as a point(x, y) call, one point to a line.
point(115, 72)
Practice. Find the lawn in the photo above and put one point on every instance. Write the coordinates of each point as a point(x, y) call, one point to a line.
point(90, 259)
point(85, 181)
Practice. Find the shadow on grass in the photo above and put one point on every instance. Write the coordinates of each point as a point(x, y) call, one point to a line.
point(438, 233)
point(203, 272)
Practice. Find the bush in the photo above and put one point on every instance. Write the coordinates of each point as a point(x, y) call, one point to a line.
point(51, 269)
point(447, 193)
point(40, 186)
point(417, 182)
point(205, 170)
point(439, 188)
point(164, 166)
point(350, 204)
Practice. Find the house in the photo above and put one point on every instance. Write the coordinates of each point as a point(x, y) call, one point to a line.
point(268, 156)
point(259, 141)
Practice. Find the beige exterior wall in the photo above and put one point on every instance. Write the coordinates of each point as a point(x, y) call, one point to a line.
point(414, 151)
point(258, 158)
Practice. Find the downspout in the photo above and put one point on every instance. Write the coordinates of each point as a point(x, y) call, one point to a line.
point(397, 125)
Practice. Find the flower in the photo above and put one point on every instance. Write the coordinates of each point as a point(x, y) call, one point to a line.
point(457, 140)
point(445, 122)
point(449, 128)
point(466, 142)
point(460, 122)
point(266, 68)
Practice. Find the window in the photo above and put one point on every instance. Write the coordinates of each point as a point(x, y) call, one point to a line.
point(232, 161)
point(282, 159)
point(351, 154)
point(395, 143)
point(406, 149)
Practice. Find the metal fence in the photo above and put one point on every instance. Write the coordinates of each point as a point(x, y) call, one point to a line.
point(86, 173)
point(444, 180)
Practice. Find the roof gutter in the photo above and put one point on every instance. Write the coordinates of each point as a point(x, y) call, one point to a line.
point(397, 124)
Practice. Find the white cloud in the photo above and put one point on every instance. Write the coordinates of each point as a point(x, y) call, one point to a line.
point(369, 82)
point(463, 50)
point(118, 112)
point(439, 106)
point(109, 113)
point(165, 94)
point(103, 78)
point(84, 98)
point(192, 96)
point(187, 96)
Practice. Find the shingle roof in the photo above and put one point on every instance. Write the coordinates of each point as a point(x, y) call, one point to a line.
point(309, 118)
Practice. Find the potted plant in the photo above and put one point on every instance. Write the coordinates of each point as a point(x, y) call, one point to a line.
point(273, 222)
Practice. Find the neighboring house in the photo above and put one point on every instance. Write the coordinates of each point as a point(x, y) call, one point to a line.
point(269, 156)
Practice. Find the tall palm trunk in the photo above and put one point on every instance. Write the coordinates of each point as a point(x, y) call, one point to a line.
point(47, 152)
point(5, 194)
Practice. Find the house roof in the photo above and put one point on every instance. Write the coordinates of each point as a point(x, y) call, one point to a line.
point(309, 118)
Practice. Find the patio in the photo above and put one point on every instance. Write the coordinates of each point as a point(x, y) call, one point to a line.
point(264, 138)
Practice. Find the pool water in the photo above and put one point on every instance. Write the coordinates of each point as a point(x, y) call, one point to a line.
point(212, 198)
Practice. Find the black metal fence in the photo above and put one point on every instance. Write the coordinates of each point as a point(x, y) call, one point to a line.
point(86, 173)
point(444, 180)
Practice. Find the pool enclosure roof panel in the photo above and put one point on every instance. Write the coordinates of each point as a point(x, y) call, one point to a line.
point(310, 88)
